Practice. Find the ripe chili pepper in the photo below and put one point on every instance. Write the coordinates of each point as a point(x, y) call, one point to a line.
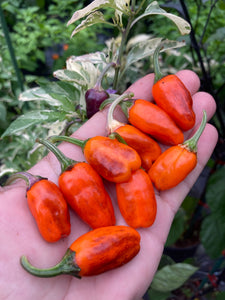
point(136, 200)
point(151, 119)
point(173, 97)
point(110, 158)
point(47, 205)
point(173, 165)
point(147, 148)
point(84, 190)
point(93, 253)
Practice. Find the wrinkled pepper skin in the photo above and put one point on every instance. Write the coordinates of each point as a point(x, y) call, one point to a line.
point(136, 200)
point(148, 149)
point(49, 209)
point(172, 167)
point(153, 120)
point(84, 191)
point(105, 248)
point(111, 159)
point(173, 97)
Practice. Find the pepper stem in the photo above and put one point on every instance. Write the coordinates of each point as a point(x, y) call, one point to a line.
point(111, 122)
point(158, 74)
point(65, 266)
point(63, 138)
point(191, 143)
point(65, 162)
point(27, 177)
point(118, 137)
point(98, 84)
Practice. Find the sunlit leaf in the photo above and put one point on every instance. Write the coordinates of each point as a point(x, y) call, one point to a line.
point(94, 18)
point(93, 6)
point(154, 9)
point(172, 277)
point(33, 118)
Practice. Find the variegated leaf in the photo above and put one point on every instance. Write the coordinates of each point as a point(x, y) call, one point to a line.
point(154, 9)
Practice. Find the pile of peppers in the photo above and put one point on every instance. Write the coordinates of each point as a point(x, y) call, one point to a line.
point(130, 157)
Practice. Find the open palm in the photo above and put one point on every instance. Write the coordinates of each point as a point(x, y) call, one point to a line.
point(19, 234)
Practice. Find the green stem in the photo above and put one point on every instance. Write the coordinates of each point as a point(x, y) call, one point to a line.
point(118, 137)
point(191, 143)
point(65, 266)
point(158, 74)
point(98, 84)
point(27, 177)
point(111, 122)
point(65, 162)
point(63, 138)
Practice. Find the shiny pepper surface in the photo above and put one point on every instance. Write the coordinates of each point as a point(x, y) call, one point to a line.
point(93, 253)
point(50, 210)
point(174, 98)
point(173, 165)
point(153, 120)
point(148, 149)
point(136, 200)
point(83, 189)
point(113, 160)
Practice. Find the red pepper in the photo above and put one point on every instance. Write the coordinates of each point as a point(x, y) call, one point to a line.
point(93, 253)
point(110, 158)
point(173, 97)
point(84, 190)
point(136, 200)
point(47, 205)
point(173, 165)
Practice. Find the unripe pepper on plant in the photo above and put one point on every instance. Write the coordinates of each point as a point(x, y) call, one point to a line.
point(136, 200)
point(84, 190)
point(47, 205)
point(173, 97)
point(147, 148)
point(110, 158)
point(93, 253)
point(173, 165)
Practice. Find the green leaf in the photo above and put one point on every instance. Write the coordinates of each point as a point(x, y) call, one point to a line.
point(33, 118)
point(153, 294)
point(212, 235)
point(94, 18)
point(146, 48)
point(177, 227)
point(70, 76)
point(154, 9)
point(3, 112)
point(172, 277)
point(215, 193)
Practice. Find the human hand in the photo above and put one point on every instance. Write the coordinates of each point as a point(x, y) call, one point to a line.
point(19, 234)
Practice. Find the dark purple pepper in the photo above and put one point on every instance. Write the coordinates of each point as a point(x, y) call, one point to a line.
point(94, 99)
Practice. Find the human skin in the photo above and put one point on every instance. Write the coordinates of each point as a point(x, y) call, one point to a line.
point(19, 234)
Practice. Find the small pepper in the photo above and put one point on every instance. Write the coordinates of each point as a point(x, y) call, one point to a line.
point(150, 119)
point(173, 97)
point(136, 200)
point(47, 205)
point(173, 165)
point(110, 158)
point(83, 190)
point(147, 148)
point(93, 253)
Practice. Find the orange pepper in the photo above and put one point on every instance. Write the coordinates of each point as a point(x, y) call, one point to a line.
point(173, 165)
point(173, 97)
point(47, 205)
point(153, 120)
point(147, 148)
point(93, 253)
point(84, 190)
point(110, 158)
point(136, 200)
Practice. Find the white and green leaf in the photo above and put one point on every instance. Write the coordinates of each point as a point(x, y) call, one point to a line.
point(154, 9)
